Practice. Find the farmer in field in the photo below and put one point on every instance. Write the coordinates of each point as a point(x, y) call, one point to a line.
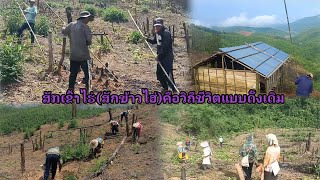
point(221, 141)
point(249, 154)
point(96, 146)
point(164, 54)
point(304, 85)
point(30, 13)
point(80, 39)
point(114, 127)
point(124, 114)
point(52, 160)
point(137, 130)
point(182, 152)
point(207, 155)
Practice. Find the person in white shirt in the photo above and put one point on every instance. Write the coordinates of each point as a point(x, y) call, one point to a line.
point(221, 141)
point(207, 154)
point(30, 13)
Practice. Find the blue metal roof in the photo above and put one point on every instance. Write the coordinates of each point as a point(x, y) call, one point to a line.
point(260, 57)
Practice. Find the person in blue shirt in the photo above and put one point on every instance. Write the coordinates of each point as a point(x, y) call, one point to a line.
point(30, 13)
point(304, 85)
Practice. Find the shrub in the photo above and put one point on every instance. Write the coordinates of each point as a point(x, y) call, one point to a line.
point(114, 14)
point(104, 46)
point(91, 8)
point(75, 152)
point(14, 21)
point(73, 124)
point(28, 132)
point(145, 9)
point(11, 60)
point(135, 37)
point(42, 26)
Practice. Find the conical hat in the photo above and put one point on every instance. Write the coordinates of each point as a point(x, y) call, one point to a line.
point(94, 143)
point(179, 143)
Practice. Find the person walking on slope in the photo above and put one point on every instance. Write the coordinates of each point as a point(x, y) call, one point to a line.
point(304, 85)
point(249, 154)
point(221, 141)
point(80, 37)
point(270, 167)
point(164, 54)
point(53, 158)
point(30, 13)
point(207, 155)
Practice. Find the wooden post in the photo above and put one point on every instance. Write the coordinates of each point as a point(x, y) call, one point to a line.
point(173, 34)
point(23, 159)
point(110, 114)
point(50, 51)
point(44, 137)
point(64, 42)
point(40, 143)
point(9, 147)
point(133, 118)
point(148, 30)
point(183, 173)
point(127, 125)
point(135, 14)
point(74, 109)
point(309, 143)
point(186, 35)
point(38, 4)
point(101, 39)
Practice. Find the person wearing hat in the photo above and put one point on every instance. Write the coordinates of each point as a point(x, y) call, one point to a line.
point(114, 127)
point(182, 152)
point(207, 154)
point(80, 37)
point(248, 151)
point(96, 146)
point(270, 167)
point(30, 13)
point(304, 85)
point(53, 158)
point(164, 54)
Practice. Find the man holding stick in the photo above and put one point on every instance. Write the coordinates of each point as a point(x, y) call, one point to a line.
point(31, 13)
point(164, 54)
point(80, 39)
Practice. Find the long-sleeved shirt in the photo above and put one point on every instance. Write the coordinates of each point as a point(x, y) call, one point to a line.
point(80, 38)
point(249, 149)
point(31, 13)
point(164, 48)
point(272, 155)
point(206, 155)
point(304, 86)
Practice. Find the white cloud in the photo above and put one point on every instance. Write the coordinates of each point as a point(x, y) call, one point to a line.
point(244, 20)
point(199, 23)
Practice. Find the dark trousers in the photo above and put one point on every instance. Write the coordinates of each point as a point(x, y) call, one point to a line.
point(51, 162)
point(269, 176)
point(205, 166)
point(164, 81)
point(24, 27)
point(74, 69)
point(248, 171)
point(123, 116)
point(115, 129)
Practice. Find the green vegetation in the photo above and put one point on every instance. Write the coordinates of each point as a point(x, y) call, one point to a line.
point(28, 119)
point(73, 124)
point(11, 60)
point(115, 14)
point(209, 121)
point(75, 152)
point(42, 26)
point(92, 9)
point(104, 46)
point(135, 37)
point(98, 164)
point(13, 20)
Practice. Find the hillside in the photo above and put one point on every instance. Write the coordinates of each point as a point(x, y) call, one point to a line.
point(253, 30)
point(309, 36)
point(301, 25)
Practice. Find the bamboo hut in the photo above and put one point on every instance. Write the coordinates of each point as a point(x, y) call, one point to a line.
point(236, 70)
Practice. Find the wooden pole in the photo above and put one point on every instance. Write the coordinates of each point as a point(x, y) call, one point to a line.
point(240, 171)
point(50, 51)
point(309, 143)
point(173, 34)
point(285, 5)
point(133, 118)
point(23, 159)
point(64, 42)
point(69, 16)
point(44, 137)
point(74, 109)
point(186, 35)
point(40, 143)
point(148, 30)
point(9, 147)
point(127, 125)
point(183, 173)
point(101, 39)
point(110, 114)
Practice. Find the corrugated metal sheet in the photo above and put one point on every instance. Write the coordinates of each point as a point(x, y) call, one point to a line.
point(258, 56)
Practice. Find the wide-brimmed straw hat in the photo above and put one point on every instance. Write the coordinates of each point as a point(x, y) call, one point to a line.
point(310, 75)
point(85, 14)
point(32, 0)
point(94, 143)
point(204, 144)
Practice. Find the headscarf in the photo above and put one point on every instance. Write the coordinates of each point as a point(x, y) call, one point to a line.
point(249, 148)
point(272, 139)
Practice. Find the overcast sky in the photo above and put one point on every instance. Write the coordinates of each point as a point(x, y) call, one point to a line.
point(255, 13)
